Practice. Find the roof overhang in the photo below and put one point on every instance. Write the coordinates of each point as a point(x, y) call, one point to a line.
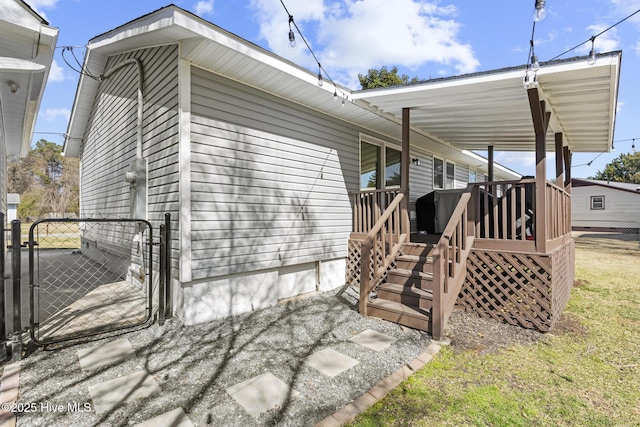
point(475, 111)
point(27, 44)
point(206, 45)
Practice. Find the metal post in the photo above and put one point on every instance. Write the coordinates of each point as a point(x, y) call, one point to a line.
point(15, 273)
point(161, 288)
point(167, 261)
point(3, 312)
point(16, 245)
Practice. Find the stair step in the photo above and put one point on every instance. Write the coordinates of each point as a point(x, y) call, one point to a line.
point(412, 317)
point(406, 294)
point(410, 277)
point(415, 262)
point(417, 248)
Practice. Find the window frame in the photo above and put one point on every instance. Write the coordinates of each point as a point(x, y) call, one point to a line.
point(593, 203)
point(447, 184)
point(381, 164)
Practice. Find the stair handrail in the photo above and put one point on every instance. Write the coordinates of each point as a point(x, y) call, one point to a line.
point(377, 238)
point(449, 262)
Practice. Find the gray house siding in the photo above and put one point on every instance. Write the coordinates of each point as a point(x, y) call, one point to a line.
point(621, 208)
point(270, 207)
point(110, 140)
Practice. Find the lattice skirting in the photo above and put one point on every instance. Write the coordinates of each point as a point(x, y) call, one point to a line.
point(352, 277)
point(528, 290)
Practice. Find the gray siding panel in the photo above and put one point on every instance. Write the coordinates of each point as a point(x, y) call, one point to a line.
point(110, 140)
point(270, 180)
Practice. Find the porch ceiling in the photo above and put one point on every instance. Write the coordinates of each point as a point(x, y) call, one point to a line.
point(475, 111)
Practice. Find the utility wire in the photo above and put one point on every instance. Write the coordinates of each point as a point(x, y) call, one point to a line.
point(344, 95)
point(594, 37)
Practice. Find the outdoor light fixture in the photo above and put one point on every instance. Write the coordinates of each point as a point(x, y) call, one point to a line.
point(540, 12)
point(343, 100)
point(535, 65)
point(633, 144)
point(415, 161)
point(292, 36)
point(14, 87)
point(592, 54)
point(320, 81)
point(530, 80)
point(335, 95)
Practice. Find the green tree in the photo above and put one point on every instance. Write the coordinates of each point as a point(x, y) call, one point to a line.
point(624, 168)
point(46, 181)
point(384, 78)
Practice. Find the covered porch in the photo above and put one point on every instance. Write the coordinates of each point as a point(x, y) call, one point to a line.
point(506, 251)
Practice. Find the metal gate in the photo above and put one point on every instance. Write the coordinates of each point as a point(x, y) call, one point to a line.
point(89, 276)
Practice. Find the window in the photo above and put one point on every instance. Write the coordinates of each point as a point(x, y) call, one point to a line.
point(438, 173)
point(372, 174)
point(597, 202)
point(473, 176)
point(450, 181)
point(444, 174)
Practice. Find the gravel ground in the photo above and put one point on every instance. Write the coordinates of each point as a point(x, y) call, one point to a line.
point(195, 364)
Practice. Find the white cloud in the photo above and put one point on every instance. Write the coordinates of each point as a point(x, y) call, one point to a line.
point(52, 114)
point(40, 5)
point(351, 36)
point(56, 74)
point(203, 8)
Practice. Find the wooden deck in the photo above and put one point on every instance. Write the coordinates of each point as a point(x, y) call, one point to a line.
point(489, 258)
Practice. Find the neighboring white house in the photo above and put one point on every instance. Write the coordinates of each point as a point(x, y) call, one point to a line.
point(27, 43)
point(252, 158)
point(13, 200)
point(605, 205)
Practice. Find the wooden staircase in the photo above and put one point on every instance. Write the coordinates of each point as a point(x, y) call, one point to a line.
point(406, 296)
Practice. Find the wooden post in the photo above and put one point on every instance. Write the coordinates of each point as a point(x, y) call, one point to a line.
point(404, 169)
point(490, 158)
point(559, 160)
point(540, 122)
point(567, 169)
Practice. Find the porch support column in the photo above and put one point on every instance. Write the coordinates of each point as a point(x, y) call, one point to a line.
point(404, 168)
point(540, 122)
point(566, 155)
point(559, 160)
point(490, 166)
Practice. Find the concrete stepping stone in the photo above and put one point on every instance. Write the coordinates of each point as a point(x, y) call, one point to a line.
point(374, 340)
point(105, 354)
point(262, 393)
point(175, 418)
point(330, 362)
point(111, 394)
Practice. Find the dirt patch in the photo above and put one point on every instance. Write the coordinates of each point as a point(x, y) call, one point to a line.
point(569, 323)
point(468, 331)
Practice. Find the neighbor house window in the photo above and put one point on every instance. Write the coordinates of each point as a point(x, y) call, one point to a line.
point(372, 174)
point(597, 202)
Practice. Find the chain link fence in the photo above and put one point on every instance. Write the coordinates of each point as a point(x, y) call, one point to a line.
point(88, 276)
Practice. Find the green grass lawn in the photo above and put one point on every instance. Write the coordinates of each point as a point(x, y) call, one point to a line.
point(586, 375)
point(51, 235)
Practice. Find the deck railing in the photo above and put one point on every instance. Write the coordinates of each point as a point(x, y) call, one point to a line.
point(505, 214)
point(368, 206)
point(381, 246)
point(449, 262)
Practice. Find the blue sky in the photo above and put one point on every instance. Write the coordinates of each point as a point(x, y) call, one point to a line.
point(423, 38)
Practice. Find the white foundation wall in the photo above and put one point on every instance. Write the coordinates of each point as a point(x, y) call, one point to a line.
point(200, 302)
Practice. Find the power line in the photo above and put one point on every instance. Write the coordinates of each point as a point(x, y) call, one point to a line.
point(591, 39)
